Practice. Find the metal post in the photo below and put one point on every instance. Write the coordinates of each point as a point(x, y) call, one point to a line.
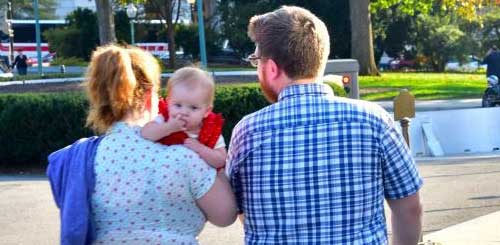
point(37, 33)
point(11, 33)
point(405, 125)
point(132, 32)
point(201, 30)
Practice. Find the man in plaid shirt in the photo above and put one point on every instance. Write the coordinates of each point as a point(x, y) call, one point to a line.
point(313, 168)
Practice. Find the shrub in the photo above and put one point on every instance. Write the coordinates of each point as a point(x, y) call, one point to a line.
point(70, 61)
point(34, 125)
point(78, 39)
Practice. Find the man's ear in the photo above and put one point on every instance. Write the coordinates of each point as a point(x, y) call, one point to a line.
point(272, 70)
point(209, 110)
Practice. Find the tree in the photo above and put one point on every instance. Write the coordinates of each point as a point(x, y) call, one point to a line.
point(23, 9)
point(491, 29)
point(78, 38)
point(168, 11)
point(105, 19)
point(441, 40)
point(362, 36)
point(236, 14)
point(361, 23)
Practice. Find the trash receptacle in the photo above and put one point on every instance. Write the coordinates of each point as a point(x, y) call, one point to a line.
point(348, 69)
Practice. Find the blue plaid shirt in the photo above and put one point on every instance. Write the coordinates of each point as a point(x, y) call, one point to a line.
point(314, 169)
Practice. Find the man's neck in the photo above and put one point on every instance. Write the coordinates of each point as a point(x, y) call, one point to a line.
point(306, 81)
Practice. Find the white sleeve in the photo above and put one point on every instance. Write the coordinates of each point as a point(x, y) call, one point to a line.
point(159, 119)
point(220, 142)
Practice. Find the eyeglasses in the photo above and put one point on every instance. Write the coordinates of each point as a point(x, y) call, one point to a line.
point(253, 59)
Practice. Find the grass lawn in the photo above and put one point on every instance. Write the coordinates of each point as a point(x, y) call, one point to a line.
point(424, 86)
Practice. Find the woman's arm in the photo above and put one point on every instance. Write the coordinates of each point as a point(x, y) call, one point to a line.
point(218, 203)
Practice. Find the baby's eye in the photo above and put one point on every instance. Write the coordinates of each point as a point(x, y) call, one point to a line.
point(177, 105)
point(194, 107)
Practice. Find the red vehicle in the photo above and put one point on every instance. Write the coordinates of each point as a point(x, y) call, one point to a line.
point(47, 58)
point(402, 64)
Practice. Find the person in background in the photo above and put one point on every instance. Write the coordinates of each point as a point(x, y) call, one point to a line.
point(122, 188)
point(20, 62)
point(492, 60)
point(313, 168)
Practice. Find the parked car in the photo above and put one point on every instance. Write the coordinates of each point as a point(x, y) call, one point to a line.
point(402, 64)
point(471, 64)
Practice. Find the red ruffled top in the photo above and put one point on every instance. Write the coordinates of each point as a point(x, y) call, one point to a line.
point(210, 131)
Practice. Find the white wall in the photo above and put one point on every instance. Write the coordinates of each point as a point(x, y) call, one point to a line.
point(458, 131)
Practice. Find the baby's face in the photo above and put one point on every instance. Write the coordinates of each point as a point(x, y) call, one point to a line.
point(191, 104)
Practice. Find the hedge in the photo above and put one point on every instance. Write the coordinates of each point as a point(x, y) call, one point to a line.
point(33, 125)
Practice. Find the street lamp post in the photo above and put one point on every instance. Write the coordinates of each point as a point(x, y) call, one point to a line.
point(11, 32)
point(131, 13)
point(37, 36)
point(201, 32)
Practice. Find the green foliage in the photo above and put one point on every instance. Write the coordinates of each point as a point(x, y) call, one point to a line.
point(71, 61)
point(236, 14)
point(187, 37)
point(424, 86)
point(33, 125)
point(490, 31)
point(23, 9)
point(393, 30)
point(440, 40)
point(78, 39)
point(122, 27)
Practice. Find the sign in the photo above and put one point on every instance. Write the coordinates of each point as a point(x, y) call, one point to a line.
point(404, 105)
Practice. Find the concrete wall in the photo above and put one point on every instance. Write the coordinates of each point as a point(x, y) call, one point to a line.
point(456, 131)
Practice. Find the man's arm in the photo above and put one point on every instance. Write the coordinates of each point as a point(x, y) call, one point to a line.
point(406, 217)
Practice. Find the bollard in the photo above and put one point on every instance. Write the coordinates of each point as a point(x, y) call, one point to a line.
point(405, 125)
point(404, 109)
point(62, 68)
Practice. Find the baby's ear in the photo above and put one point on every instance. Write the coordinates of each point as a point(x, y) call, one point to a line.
point(209, 110)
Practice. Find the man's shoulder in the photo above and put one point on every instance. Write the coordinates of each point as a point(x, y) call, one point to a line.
point(361, 109)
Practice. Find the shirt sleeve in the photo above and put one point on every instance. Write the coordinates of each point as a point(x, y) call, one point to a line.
point(202, 176)
point(159, 119)
point(400, 174)
point(234, 157)
point(220, 142)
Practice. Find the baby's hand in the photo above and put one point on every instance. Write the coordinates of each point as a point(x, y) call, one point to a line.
point(192, 144)
point(176, 123)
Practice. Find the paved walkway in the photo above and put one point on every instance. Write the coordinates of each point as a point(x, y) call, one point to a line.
point(483, 230)
point(455, 191)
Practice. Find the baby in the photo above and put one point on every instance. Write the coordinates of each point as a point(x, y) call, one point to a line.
point(189, 103)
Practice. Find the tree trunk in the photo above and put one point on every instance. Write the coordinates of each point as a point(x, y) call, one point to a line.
point(170, 33)
point(362, 37)
point(171, 44)
point(105, 21)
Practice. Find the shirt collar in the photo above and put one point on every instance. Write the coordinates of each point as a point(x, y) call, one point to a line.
point(305, 89)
